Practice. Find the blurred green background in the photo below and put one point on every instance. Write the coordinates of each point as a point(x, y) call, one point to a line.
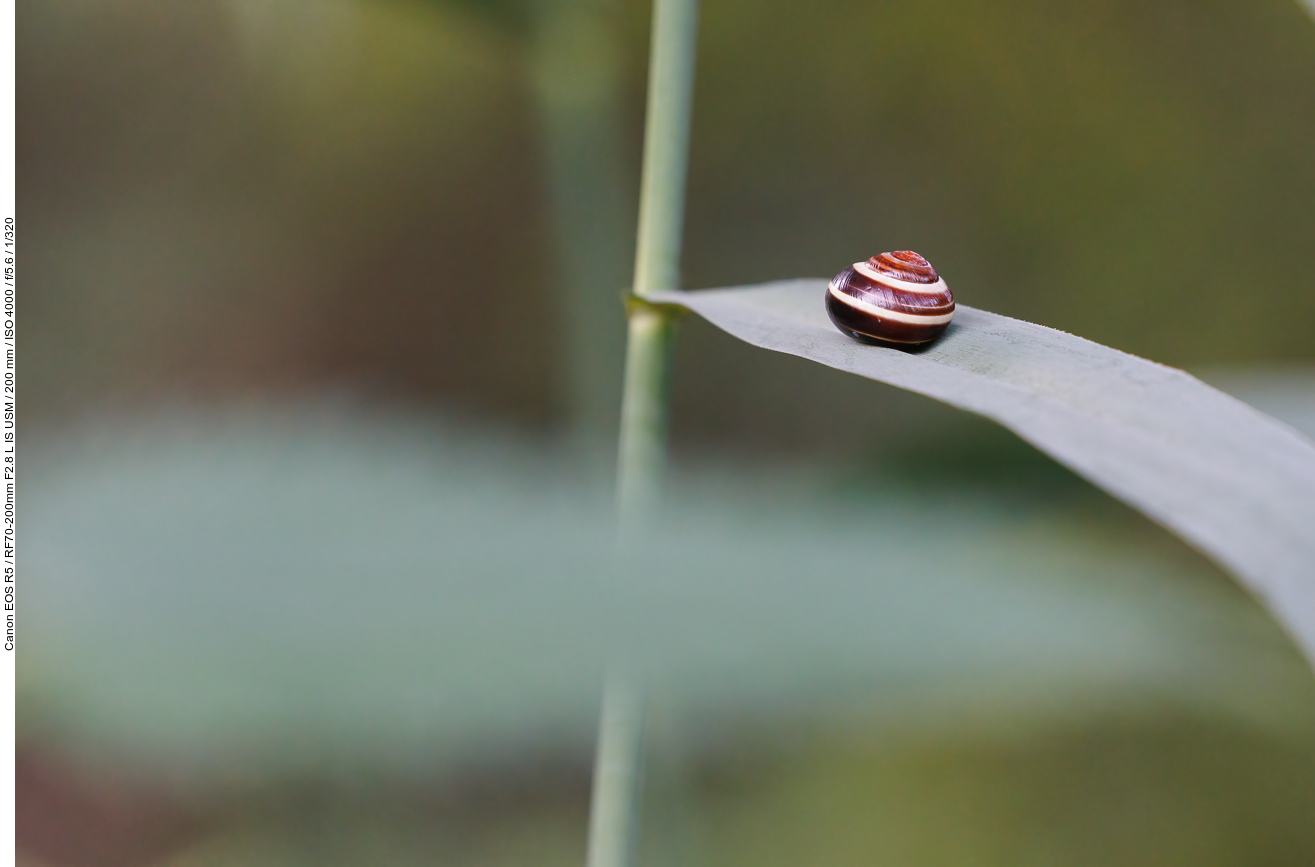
point(329, 233)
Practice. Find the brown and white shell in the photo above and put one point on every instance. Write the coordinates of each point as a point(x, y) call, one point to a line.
point(892, 298)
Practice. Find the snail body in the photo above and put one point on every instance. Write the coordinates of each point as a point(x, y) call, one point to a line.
point(891, 298)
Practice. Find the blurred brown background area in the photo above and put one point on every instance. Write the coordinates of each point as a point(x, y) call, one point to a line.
point(231, 197)
point(335, 197)
point(428, 206)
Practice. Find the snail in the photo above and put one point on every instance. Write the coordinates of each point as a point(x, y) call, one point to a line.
point(892, 298)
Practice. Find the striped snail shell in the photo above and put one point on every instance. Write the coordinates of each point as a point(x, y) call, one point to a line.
point(892, 298)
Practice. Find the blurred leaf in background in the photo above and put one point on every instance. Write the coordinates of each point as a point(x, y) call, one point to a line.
point(235, 603)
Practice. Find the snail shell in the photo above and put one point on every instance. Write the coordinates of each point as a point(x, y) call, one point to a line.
point(892, 298)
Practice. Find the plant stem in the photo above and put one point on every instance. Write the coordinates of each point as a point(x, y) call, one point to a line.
point(644, 404)
point(666, 145)
point(618, 769)
point(613, 820)
point(645, 407)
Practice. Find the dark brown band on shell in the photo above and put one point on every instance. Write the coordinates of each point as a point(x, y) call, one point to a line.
point(868, 329)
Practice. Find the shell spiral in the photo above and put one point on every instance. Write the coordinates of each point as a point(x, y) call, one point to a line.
point(891, 298)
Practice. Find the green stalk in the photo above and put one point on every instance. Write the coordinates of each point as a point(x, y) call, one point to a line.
point(645, 409)
point(618, 774)
point(666, 145)
point(641, 459)
point(644, 406)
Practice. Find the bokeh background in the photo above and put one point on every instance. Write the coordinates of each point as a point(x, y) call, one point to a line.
point(322, 343)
